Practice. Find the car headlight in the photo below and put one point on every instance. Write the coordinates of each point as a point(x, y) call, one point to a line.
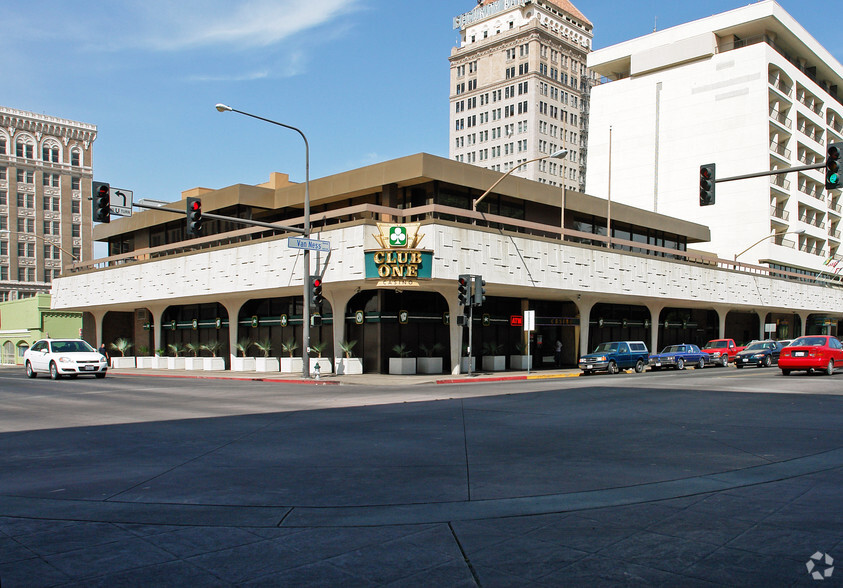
point(64, 359)
point(758, 355)
point(716, 354)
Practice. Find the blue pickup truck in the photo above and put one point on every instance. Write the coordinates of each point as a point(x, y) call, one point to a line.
point(615, 356)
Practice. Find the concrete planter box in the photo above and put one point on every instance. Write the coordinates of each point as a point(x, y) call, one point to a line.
point(520, 362)
point(266, 364)
point(123, 362)
point(324, 363)
point(242, 364)
point(402, 366)
point(464, 364)
point(144, 361)
point(194, 363)
point(429, 365)
point(213, 364)
point(175, 363)
point(159, 363)
point(348, 365)
point(290, 365)
point(494, 363)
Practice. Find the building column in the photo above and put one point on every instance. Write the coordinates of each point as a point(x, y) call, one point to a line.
point(803, 316)
point(338, 295)
point(157, 312)
point(722, 312)
point(232, 307)
point(762, 318)
point(99, 316)
point(584, 306)
point(655, 309)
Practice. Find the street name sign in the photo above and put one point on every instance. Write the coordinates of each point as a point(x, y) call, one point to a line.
point(311, 244)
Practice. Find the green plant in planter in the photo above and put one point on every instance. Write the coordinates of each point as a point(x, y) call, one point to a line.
point(193, 348)
point(212, 347)
point(176, 348)
point(121, 345)
point(264, 345)
point(243, 346)
point(318, 348)
point(433, 350)
point(521, 348)
point(347, 348)
point(490, 348)
point(401, 350)
point(143, 350)
point(289, 346)
point(160, 352)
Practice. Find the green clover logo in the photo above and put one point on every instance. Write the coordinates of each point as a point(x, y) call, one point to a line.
point(397, 236)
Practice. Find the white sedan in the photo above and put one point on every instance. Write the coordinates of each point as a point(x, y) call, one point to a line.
point(64, 357)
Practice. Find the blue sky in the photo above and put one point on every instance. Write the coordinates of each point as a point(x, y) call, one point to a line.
point(366, 80)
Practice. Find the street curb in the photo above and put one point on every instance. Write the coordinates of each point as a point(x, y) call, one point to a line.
point(243, 379)
point(505, 378)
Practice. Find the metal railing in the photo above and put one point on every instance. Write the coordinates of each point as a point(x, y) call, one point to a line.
point(781, 118)
point(779, 213)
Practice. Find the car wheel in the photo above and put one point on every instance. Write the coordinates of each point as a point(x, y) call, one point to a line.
point(829, 369)
point(680, 364)
point(639, 366)
point(100, 376)
point(724, 361)
point(54, 371)
point(30, 373)
point(613, 368)
point(701, 363)
point(767, 361)
point(785, 372)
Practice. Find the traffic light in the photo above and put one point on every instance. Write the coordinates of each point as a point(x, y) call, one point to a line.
point(707, 179)
point(316, 291)
point(102, 201)
point(464, 289)
point(832, 167)
point(479, 291)
point(194, 216)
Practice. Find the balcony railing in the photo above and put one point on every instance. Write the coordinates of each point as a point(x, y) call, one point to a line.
point(812, 221)
point(778, 84)
point(834, 234)
point(781, 118)
point(780, 149)
point(780, 181)
point(779, 213)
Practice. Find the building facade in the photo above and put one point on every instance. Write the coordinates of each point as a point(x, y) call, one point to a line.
point(24, 321)
point(46, 166)
point(401, 232)
point(519, 89)
point(749, 90)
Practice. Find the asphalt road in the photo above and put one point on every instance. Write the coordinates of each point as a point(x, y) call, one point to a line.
point(706, 477)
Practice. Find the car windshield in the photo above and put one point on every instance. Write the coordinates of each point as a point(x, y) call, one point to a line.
point(758, 346)
point(71, 347)
point(808, 342)
point(603, 347)
point(673, 349)
point(715, 345)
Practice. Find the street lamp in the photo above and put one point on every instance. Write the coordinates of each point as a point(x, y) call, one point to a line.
point(10, 233)
point(555, 155)
point(305, 252)
point(799, 232)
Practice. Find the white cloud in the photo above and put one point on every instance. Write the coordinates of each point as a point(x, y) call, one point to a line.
point(192, 24)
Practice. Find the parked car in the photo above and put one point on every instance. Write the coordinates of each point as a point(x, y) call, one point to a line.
point(760, 353)
point(812, 352)
point(678, 356)
point(615, 356)
point(64, 357)
point(722, 351)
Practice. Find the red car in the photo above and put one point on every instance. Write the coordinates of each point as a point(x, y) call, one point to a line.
point(812, 352)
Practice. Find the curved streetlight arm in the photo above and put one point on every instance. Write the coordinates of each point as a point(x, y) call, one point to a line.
point(556, 155)
point(799, 232)
point(43, 239)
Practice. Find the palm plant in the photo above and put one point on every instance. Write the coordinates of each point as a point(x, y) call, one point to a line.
point(432, 350)
point(212, 347)
point(264, 345)
point(176, 348)
point(143, 350)
point(490, 348)
point(318, 348)
point(243, 345)
point(521, 347)
point(347, 347)
point(121, 345)
point(401, 350)
point(289, 346)
point(193, 348)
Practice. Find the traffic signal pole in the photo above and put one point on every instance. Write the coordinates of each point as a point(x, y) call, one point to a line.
point(770, 173)
point(232, 219)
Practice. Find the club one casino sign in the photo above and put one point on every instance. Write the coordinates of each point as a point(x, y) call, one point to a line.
point(399, 262)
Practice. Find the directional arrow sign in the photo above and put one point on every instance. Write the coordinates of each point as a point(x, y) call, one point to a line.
point(121, 202)
point(312, 244)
